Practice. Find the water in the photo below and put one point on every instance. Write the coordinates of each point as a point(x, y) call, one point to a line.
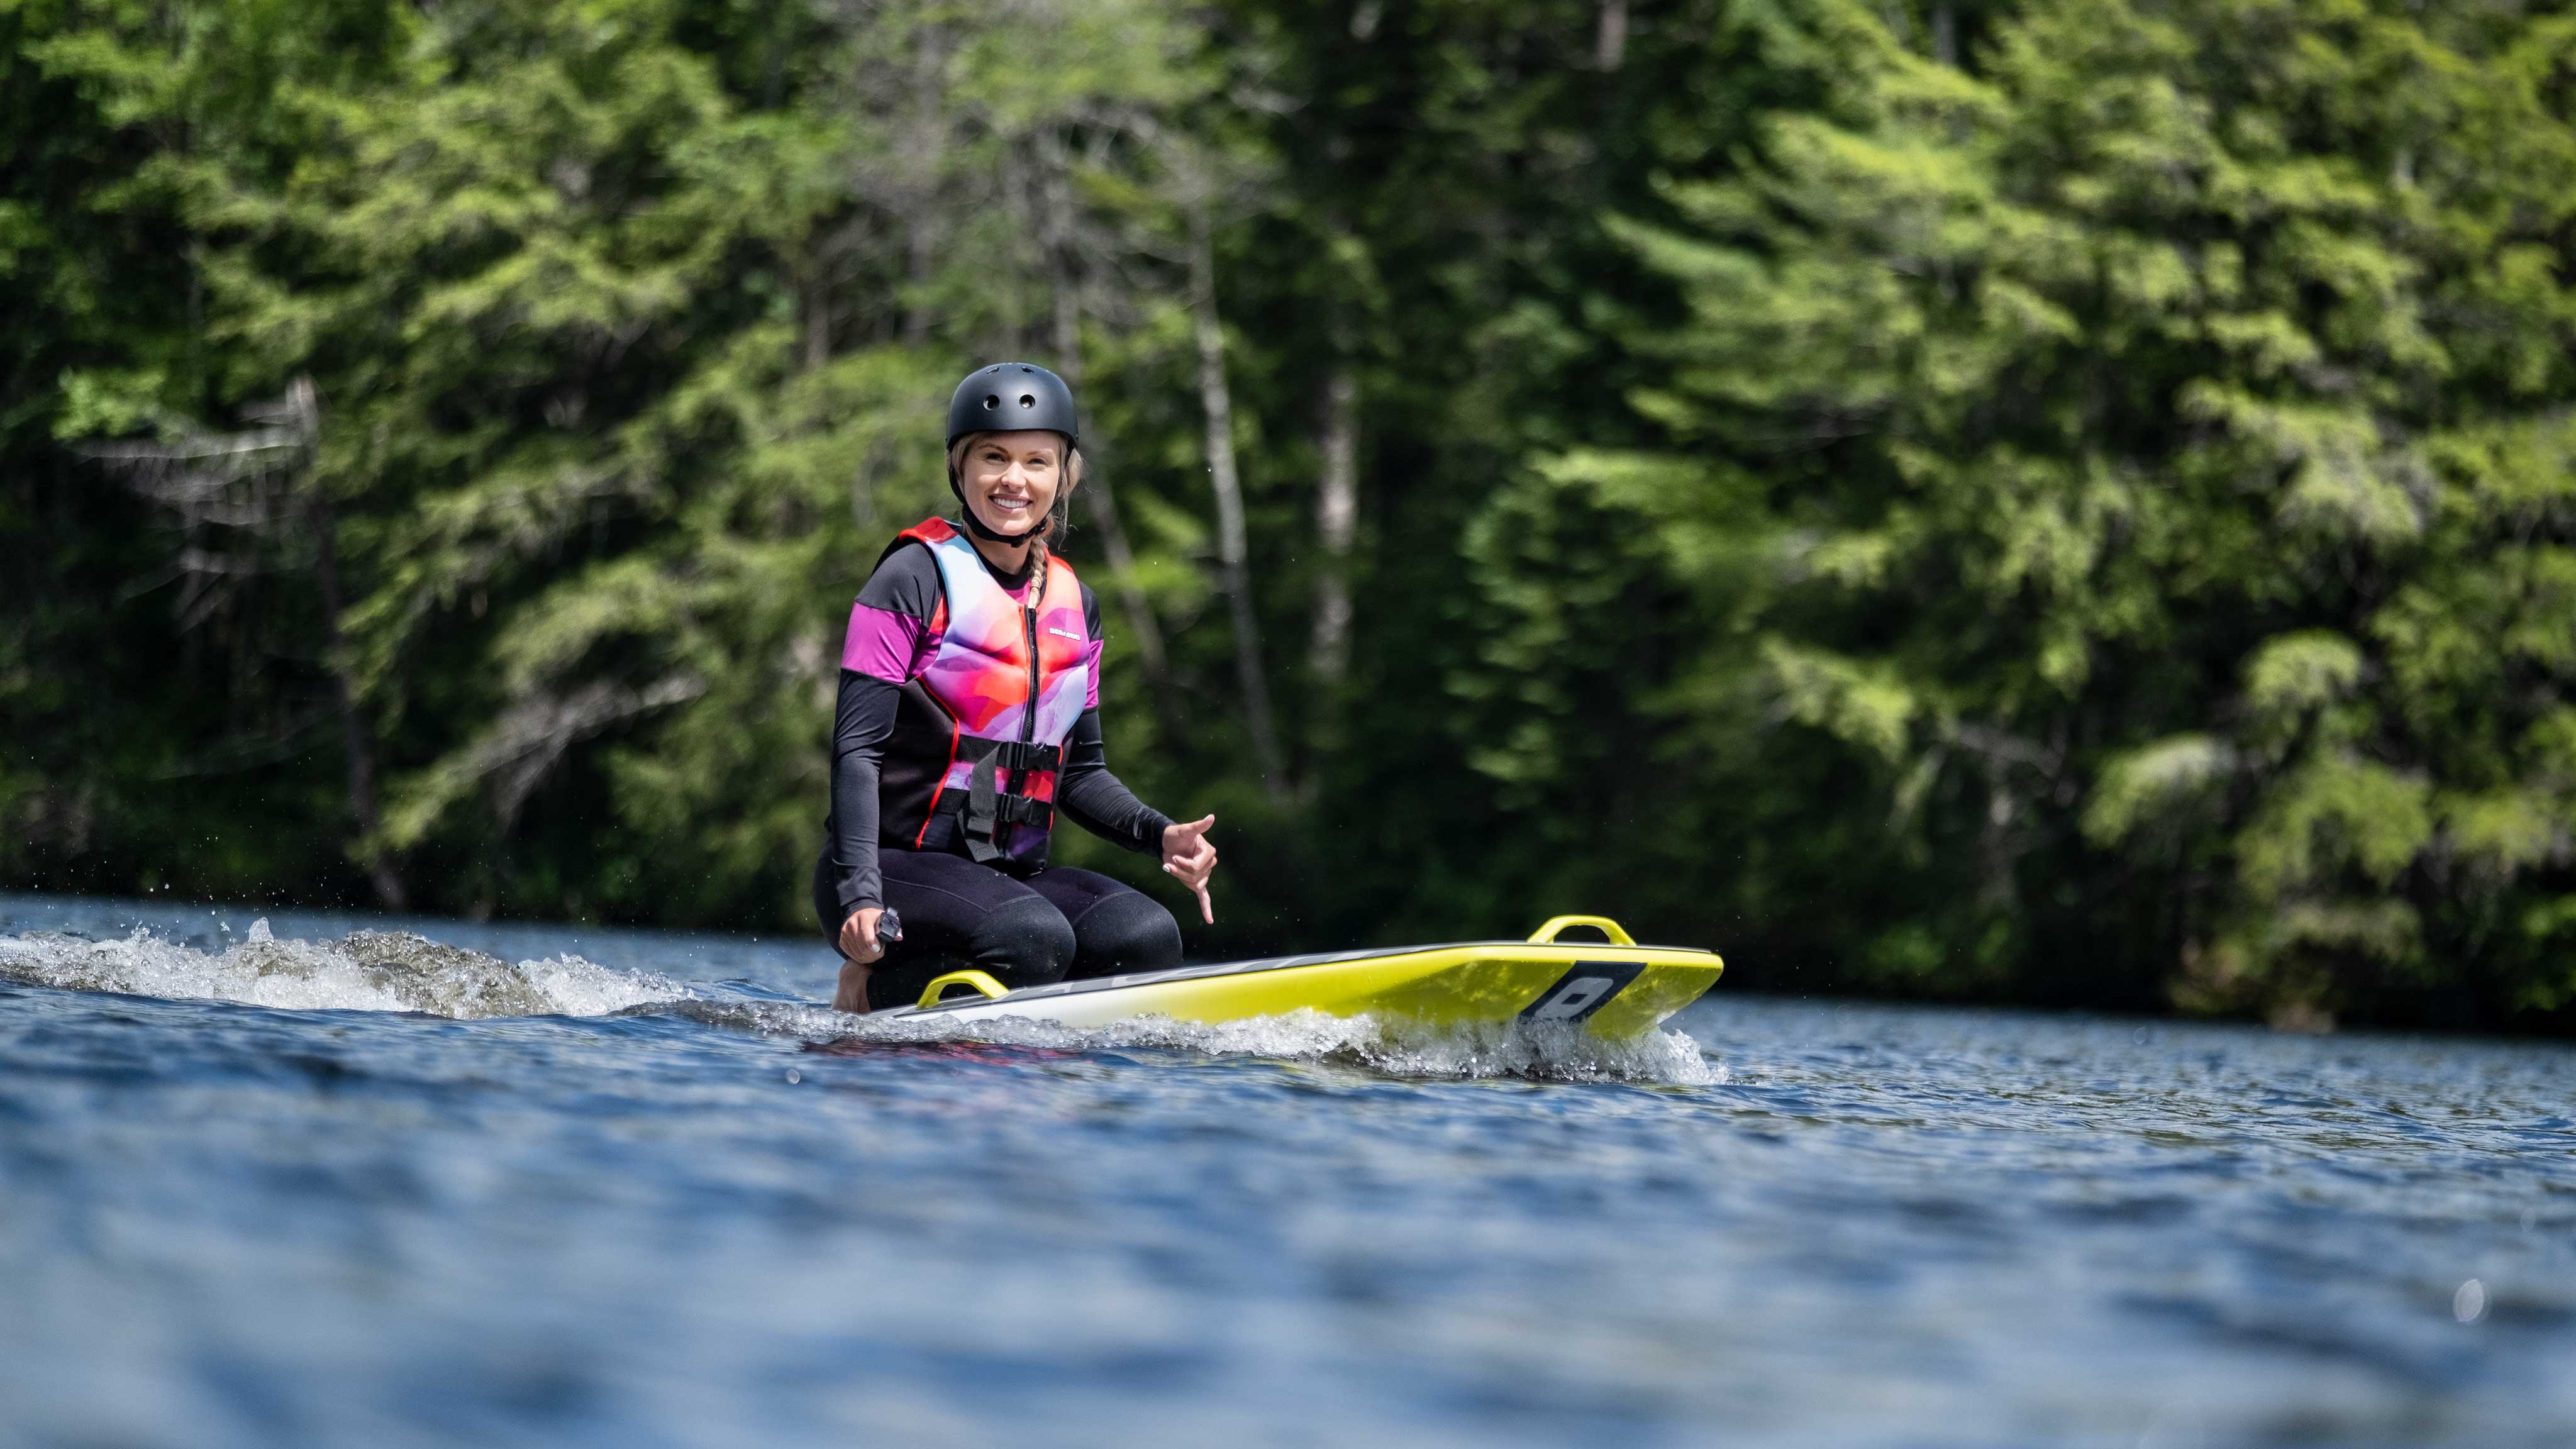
point(640, 1190)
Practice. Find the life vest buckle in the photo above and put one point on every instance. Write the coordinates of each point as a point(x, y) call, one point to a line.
point(987, 808)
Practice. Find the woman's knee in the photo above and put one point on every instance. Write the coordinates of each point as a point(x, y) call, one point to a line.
point(1025, 942)
point(1125, 933)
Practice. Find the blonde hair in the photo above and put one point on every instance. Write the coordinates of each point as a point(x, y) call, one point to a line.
point(1059, 517)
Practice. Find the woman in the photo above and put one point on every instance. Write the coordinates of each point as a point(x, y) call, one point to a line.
point(969, 723)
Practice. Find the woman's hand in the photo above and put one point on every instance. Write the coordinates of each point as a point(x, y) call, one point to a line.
point(859, 950)
point(1189, 857)
point(859, 944)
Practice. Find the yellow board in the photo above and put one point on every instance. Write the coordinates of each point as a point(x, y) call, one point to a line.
point(1615, 989)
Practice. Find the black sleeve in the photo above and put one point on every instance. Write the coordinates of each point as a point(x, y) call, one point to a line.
point(1086, 792)
point(906, 581)
point(859, 730)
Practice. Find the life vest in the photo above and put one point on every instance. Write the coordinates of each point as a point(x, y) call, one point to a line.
point(979, 735)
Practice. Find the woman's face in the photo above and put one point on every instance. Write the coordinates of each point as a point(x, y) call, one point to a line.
point(1011, 479)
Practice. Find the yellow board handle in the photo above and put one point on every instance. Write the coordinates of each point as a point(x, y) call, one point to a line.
point(976, 979)
point(1606, 926)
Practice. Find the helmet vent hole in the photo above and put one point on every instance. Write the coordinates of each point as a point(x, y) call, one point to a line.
point(1028, 401)
point(991, 401)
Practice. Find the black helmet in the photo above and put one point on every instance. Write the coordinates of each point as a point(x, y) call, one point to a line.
point(1008, 397)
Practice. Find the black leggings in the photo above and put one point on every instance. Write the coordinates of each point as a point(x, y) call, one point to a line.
point(1057, 925)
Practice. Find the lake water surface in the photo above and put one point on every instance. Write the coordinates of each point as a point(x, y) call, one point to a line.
point(274, 1186)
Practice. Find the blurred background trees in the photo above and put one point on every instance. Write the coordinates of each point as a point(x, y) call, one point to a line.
point(2063, 501)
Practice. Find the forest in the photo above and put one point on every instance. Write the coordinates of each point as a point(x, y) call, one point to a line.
point(2062, 502)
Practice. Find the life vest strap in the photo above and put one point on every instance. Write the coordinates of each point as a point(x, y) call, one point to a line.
point(985, 810)
point(1010, 754)
point(1021, 810)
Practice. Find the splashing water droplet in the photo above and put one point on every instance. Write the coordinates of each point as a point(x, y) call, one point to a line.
point(2470, 1303)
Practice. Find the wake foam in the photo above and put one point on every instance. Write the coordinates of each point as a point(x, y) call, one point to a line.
point(364, 971)
point(1534, 1052)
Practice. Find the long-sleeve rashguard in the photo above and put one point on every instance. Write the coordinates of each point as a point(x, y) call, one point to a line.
point(890, 642)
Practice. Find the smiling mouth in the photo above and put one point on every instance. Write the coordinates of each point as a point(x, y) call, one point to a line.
point(1012, 514)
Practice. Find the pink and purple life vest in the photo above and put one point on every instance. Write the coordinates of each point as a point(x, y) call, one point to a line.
point(979, 733)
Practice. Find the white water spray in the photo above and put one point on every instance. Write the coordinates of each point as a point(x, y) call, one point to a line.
point(364, 971)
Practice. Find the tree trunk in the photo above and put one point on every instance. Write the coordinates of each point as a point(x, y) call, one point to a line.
point(1336, 522)
point(1610, 43)
point(1098, 500)
point(928, 141)
point(863, 491)
point(814, 300)
point(356, 740)
point(1219, 407)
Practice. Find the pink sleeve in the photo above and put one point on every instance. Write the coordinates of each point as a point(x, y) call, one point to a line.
point(881, 643)
point(1091, 659)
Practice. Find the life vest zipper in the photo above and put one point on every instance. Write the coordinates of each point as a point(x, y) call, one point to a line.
point(1029, 712)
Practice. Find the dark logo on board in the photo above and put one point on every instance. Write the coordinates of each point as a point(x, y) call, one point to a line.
point(1583, 990)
